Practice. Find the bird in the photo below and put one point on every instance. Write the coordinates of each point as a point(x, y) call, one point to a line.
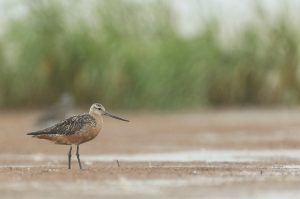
point(76, 130)
point(57, 112)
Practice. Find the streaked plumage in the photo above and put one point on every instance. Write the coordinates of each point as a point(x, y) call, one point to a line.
point(71, 125)
point(77, 129)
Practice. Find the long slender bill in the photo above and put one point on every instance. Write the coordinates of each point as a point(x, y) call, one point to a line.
point(116, 117)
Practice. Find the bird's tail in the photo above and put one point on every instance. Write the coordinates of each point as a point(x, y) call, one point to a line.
point(36, 133)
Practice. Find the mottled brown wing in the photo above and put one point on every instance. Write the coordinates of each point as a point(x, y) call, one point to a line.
point(69, 126)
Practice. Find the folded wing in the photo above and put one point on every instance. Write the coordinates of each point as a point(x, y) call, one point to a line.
point(68, 126)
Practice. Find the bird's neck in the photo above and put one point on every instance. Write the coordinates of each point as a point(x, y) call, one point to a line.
point(97, 117)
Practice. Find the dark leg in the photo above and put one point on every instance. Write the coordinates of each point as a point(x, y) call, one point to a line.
point(69, 156)
point(77, 154)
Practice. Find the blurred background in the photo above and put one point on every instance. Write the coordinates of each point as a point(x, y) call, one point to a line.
point(150, 55)
point(211, 89)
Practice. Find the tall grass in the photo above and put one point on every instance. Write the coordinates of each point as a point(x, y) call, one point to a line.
point(130, 55)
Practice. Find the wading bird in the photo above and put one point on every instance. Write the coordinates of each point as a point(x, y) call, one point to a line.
point(57, 112)
point(76, 130)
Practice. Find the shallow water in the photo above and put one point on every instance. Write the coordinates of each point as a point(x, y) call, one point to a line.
point(165, 188)
point(182, 156)
point(233, 178)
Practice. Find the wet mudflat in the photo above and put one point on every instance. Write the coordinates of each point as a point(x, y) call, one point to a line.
point(212, 154)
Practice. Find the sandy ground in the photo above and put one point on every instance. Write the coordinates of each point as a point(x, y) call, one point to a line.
point(205, 154)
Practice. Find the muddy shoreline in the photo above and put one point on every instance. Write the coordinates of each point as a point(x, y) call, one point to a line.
point(217, 154)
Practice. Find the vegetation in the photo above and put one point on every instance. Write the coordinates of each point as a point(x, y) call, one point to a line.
point(130, 55)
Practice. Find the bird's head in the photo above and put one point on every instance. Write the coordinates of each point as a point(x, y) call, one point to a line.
point(98, 109)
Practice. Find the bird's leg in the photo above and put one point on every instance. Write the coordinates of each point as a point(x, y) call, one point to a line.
point(77, 154)
point(69, 156)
